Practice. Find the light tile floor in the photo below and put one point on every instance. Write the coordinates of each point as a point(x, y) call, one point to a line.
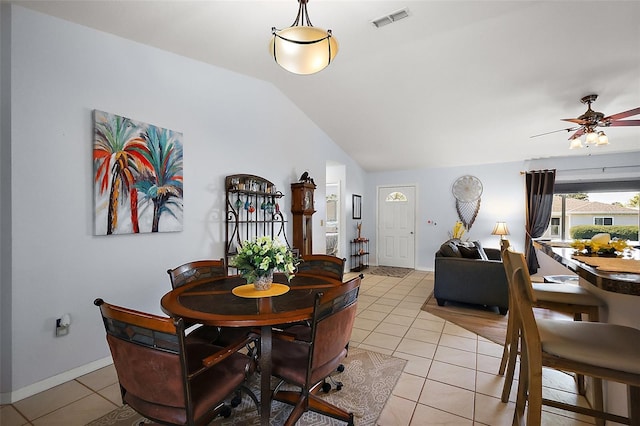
point(450, 376)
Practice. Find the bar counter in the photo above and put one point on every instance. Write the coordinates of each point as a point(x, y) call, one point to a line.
point(619, 292)
point(615, 282)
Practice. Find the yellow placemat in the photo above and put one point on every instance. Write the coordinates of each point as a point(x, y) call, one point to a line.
point(611, 264)
point(249, 291)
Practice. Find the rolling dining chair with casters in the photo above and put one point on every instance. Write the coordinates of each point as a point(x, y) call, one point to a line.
point(196, 271)
point(306, 364)
point(322, 264)
point(565, 298)
point(302, 331)
point(202, 270)
point(166, 379)
point(600, 350)
point(317, 264)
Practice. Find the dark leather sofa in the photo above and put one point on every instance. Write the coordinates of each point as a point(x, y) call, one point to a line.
point(467, 273)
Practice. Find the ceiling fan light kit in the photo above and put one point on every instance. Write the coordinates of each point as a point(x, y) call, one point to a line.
point(302, 48)
point(590, 120)
point(602, 139)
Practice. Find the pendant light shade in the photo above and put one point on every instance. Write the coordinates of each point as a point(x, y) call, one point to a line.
point(303, 49)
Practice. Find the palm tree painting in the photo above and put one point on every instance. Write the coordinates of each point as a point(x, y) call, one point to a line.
point(137, 176)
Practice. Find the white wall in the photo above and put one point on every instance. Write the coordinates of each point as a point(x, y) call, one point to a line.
point(230, 124)
point(5, 198)
point(502, 200)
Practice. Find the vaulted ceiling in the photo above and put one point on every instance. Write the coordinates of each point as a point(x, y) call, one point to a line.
point(455, 83)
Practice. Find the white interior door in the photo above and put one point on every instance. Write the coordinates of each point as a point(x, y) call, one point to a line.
point(396, 225)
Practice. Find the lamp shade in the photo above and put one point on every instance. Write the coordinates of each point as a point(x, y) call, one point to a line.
point(303, 49)
point(500, 229)
point(591, 137)
point(575, 143)
point(602, 139)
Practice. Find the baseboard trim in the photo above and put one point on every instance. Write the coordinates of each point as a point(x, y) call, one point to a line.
point(43, 385)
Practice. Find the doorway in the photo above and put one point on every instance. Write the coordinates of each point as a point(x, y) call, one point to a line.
point(396, 226)
point(332, 229)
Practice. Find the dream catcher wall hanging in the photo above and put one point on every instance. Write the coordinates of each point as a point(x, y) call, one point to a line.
point(467, 190)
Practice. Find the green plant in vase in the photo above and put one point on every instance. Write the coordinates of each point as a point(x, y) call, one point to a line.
point(258, 259)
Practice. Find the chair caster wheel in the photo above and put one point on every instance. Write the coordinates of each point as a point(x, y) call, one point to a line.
point(235, 401)
point(339, 386)
point(225, 411)
point(340, 368)
point(326, 387)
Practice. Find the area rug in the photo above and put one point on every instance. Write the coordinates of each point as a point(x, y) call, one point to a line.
point(389, 271)
point(368, 379)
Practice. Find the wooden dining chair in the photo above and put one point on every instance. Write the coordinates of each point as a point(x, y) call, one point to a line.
point(565, 298)
point(196, 271)
point(303, 331)
point(205, 270)
point(600, 350)
point(306, 363)
point(322, 264)
point(167, 379)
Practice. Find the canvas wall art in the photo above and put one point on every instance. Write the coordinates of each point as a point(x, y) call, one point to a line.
point(137, 172)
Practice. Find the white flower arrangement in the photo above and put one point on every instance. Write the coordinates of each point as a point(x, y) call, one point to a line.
point(263, 255)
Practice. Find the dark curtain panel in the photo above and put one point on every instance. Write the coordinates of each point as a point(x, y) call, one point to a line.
point(538, 210)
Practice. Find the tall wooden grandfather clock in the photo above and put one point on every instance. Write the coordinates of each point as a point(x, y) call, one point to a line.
point(302, 209)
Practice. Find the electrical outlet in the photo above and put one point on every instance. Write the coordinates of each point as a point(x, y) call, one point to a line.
point(62, 325)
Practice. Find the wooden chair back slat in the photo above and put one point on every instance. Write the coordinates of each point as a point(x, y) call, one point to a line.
point(196, 271)
point(324, 265)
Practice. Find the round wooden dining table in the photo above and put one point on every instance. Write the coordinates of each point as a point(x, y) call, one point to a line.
point(213, 302)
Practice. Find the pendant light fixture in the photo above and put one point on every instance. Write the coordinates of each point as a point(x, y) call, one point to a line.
point(303, 48)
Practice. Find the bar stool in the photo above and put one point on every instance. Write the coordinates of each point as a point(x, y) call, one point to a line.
point(565, 298)
point(600, 350)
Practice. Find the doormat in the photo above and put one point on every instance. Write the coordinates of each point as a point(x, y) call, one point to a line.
point(389, 271)
point(368, 379)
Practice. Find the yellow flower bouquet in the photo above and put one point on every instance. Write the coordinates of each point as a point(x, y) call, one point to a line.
point(458, 230)
point(599, 247)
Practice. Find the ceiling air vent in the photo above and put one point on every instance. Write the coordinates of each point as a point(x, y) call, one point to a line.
point(390, 18)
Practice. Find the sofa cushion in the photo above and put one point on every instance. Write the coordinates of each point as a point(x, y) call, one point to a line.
point(464, 249)
point(450, 249)
point(470, 252)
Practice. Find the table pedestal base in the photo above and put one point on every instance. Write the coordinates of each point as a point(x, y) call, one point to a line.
point(265, 374)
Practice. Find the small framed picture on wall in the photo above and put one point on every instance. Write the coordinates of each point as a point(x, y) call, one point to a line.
point(357, 206)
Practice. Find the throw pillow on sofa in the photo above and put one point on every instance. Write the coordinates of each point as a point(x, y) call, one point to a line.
point(464, 249)
point(469, 252)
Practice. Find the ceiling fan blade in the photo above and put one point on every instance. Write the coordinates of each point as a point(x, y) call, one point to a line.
point(625, 114)
point(570, 129)
point(577, 134)
point(575, 120)
point(625, 123)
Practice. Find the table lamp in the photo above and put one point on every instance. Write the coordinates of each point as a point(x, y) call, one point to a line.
point(500, 229)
